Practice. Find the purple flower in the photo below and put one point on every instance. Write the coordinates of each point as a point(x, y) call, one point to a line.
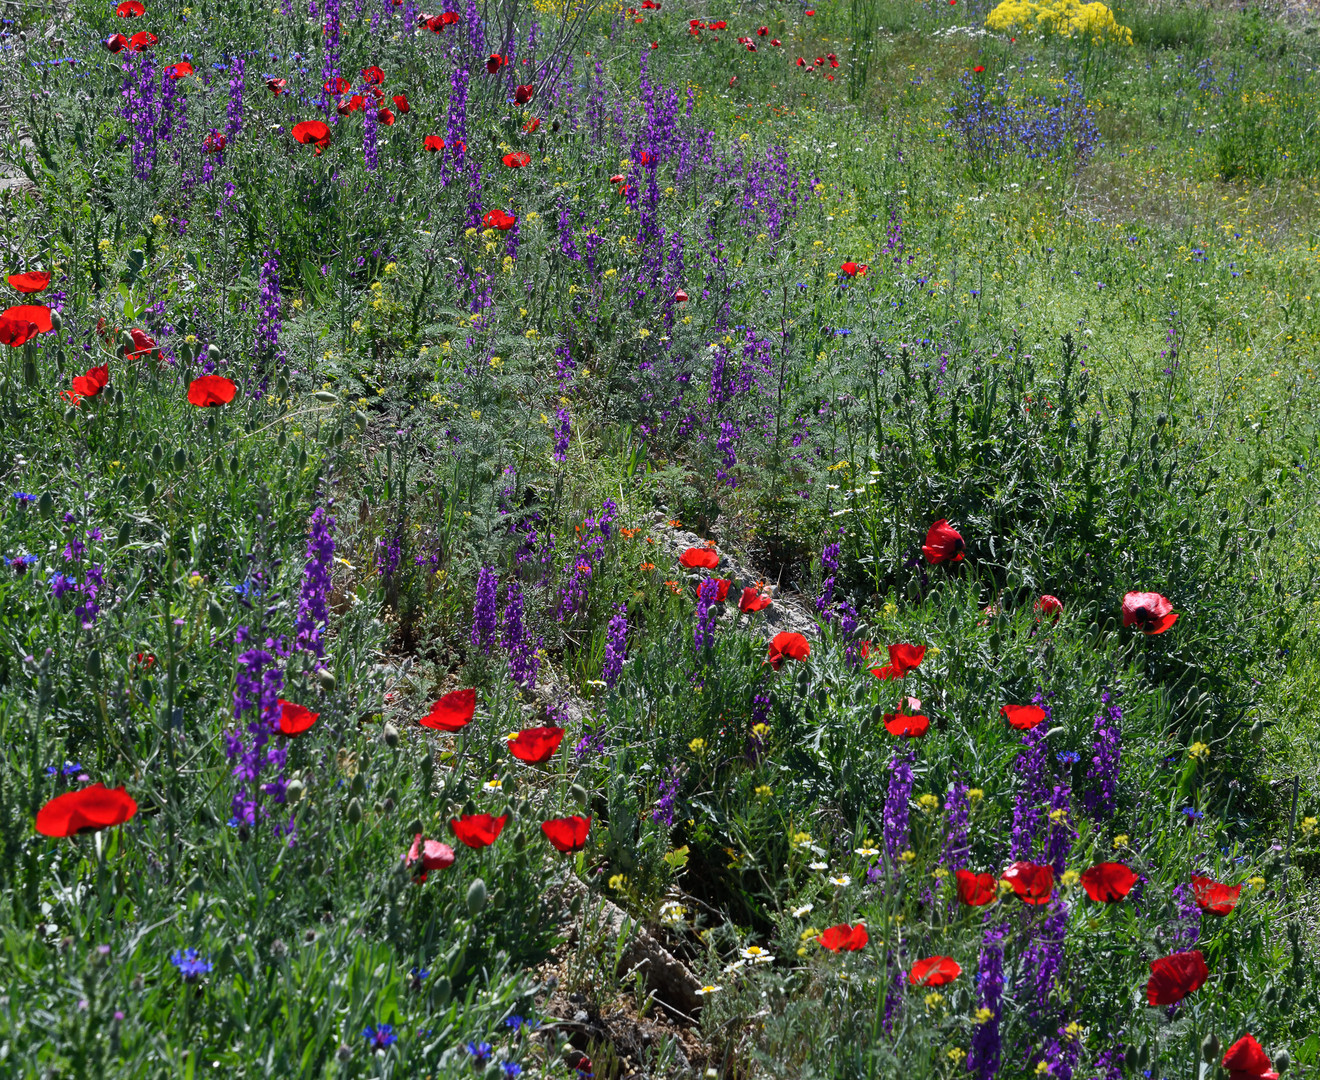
point(517, 640)
point(956, 812)
point(983, 1057)
point(268, 324)
point(897, 804)
point(1106, 763)
point(1042, 958)
point(1059, 839)
point(313, 612)
point(370, 148)
point(708, 614)
point(1032, 770)
point(234, 110)
point(1187, 929)
point(562, 432)
point(616, 647)
point(664, 804)
point(485, 611)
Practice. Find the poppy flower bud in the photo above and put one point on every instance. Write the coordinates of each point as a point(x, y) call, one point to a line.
point(46, 503)
point(94, 664)
point(213, 353)
point(1130, 1061)
point(216, 614)
point(579, 794)
point(56, 324)
point(1210, 1048)
point(391, 736)
point(1257, 733)
point(476, 896)
point(1281, 1061)
point(293, 791)
point(354, 812)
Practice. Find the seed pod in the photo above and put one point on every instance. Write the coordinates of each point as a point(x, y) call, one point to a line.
point(325, 395)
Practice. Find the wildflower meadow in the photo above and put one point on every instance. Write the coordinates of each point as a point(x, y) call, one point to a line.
point(560, 539)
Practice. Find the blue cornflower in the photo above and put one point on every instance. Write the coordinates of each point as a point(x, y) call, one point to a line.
point(512, 1068)
point(480, 1052)
point(514, 1022)
point(420, 973)
point(69, 768)
point(24, 497)
point(191, 966)
point(380, 1037)
point(1192, 813)
point(1070, 757)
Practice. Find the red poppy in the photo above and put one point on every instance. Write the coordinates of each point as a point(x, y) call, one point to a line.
point(801, 62)
point(834, 60)
point(820, 61)
point(680, 297)
point(373, 76)
point(452, 712)
point(179, 70)
point(498, 219)
point(1214, 896)
point(696, 24)
point(93, 382)
point(721, 25)
point(753, 600)
point(401, 103)
point(1149, 612)
point(115, 43)
point(478, 830)
point(431, 854)
point(943, 543)
point(338, 85)
point(433, 143)
point(976, 890)
point(810, 11)
point(37, 314)
point(934, 971)
point(536, 745)
point(295, 718)
point(356, 103)
point(910, 727)
point(16, 332)
point(214, 143)
point(32, 282)
point(1023, 717)
point(312, 132)
point(494, 62)
point(448, 18)
point(385, 116)
point(142, 344)
point(517, 159)
point(1049, 605)
point(1175, 976)
point(1246, 1060)
point(699, 557)
point(844, 938)
point(853, 269)
point(130, 9)
point(206, 391)
point(1032, 883)
point(276, 86)
point(775, 42)
point(1108, 882)
point(567, 834)
point(786, 646)
point(531, 125)
point(617, 178)
point(978, 69)
point(762, 31)
point(85, 810)
point(143, 39)
point(902, 659)
point(523, 94)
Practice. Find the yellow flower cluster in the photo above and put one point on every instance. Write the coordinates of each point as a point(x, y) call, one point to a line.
point(1063, 17)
